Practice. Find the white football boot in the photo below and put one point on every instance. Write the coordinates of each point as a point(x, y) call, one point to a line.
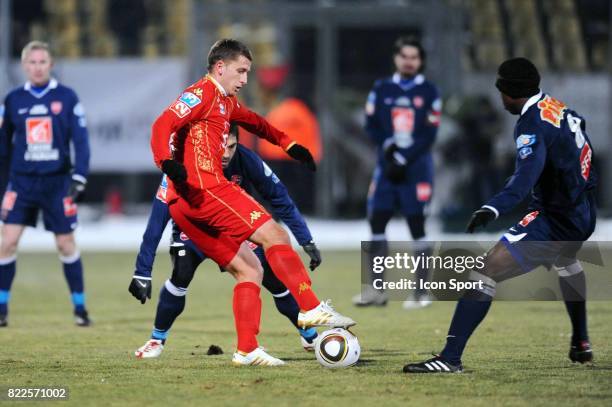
point(324, 315)
point(151, 349)
point(258, 357)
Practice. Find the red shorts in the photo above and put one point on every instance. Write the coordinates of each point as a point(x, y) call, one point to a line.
point(226, 218)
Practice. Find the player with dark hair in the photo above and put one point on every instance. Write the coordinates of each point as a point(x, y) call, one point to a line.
point(244, 168)
point(218, 215)
point(402, 118)
point(553, 162)
point(38, 123)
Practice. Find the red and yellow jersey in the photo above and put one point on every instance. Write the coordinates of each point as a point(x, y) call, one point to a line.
point(194, 130)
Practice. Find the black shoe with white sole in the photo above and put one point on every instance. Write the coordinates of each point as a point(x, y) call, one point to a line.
point(433, 365)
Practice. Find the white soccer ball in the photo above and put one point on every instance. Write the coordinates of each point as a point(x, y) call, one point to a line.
point(337, 348)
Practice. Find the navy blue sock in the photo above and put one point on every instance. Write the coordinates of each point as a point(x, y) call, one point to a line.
point(8, 267)
point(73, 271)
point(573, 288)
point(470, 311)
point(287, 306)
point(171, 304)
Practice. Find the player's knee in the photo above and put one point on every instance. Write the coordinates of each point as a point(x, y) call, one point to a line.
point(276, 235)
point(66, 245)
point(8, 248)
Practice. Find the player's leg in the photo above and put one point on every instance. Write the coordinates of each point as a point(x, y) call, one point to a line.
point(416, 225)
point(73, 272)
point(471, 309)
point(288, 267)
point(378, 220)
point(248, 272)
point(573, 288)
point(414, 197)
point(380, 207)
point(18, 210)
point(240, 261)
point(172, 295)
point(11, 234)
point(284, 301)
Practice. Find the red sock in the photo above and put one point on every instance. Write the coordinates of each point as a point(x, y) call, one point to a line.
point(247, 313)
point(288, 267)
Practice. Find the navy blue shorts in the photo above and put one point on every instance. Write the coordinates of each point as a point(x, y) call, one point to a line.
point(547, 239)
point(411, 198)
point(25, 196)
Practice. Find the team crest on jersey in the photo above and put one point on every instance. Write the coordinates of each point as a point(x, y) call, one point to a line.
point(162, 191)
point(190, 99)
point(530, 217)
point(551, 110)
point(525, 140)
point(222, 108)
point(183, 237)
point(237, 179)
point(56, 107)
point(418, 102)
point(180, 109)
point(255, 215)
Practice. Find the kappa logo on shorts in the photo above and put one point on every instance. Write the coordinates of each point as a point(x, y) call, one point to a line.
point(303, 287)
point(530, 217)
point(255, 215)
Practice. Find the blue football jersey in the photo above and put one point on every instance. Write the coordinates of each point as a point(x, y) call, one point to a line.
point(37, 128)
point(553, 162)
point(407, 113)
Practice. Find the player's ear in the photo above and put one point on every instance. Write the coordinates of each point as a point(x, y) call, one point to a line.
point(220, 67)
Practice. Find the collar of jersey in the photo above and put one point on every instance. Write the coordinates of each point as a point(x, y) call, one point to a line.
point(52, 85)
point(530, 102)
point(217, 84)
point(418, 80)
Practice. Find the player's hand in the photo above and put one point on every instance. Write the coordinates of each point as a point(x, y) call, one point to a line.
point(395, 165)
point(300, 153)
point(76, 189)
point(480, 218)
point(174, 170)
point(313, 252)
point(140, 288)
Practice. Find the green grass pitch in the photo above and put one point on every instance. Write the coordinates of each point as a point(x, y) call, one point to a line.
point(518, 356)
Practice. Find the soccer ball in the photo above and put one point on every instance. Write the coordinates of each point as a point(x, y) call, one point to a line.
point(337, 348)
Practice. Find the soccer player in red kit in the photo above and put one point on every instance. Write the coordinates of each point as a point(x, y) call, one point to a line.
point(188, 142)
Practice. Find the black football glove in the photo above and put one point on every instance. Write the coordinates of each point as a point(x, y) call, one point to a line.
point(141, 287)
point(395, 165)
point(300, 153)
point(174, 170)
point(480, 218)
point(76, 189)
point(313, 252)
